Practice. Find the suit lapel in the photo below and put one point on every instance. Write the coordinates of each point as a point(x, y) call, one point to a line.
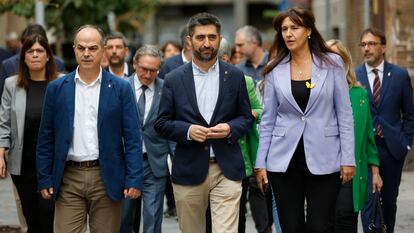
point(69, 95)
point(318, 78)
point(282, 76)
point(188, 82)
point(363, 78)
point(224, 74)
point(20, 106)
point(155, 100)
point(106, 87)
point(386, 79)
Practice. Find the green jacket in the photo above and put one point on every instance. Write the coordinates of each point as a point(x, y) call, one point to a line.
point(250, 142)
point(366, 152)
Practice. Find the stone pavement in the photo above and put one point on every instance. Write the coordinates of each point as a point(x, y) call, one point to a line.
point(404, 224)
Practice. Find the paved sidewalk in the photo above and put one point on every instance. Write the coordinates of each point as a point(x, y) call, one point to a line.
point(404, 224)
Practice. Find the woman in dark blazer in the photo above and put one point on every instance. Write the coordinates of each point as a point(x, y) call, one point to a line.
point(353, 195)
point(20, 113)
point(306, 134)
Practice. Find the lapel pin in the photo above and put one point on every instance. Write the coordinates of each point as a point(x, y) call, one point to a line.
point(389, 74)
point(109, 85)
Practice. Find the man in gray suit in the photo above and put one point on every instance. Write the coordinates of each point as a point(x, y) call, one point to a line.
point(147, 87)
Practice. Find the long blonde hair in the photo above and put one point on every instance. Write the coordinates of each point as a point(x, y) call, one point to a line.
point(346, 57)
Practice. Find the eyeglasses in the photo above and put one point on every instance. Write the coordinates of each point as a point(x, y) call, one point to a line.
point(369, 43)
point(38, 51)
point(145, 70)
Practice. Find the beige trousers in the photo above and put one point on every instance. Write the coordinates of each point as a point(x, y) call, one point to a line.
point(83, 195)
point(192, 200)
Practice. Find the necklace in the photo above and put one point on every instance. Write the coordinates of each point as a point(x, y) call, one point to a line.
point(299, 74)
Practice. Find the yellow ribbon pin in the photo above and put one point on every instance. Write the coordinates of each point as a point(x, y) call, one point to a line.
point(310, 85)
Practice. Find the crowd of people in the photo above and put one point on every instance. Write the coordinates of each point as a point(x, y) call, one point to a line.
point(296, 131)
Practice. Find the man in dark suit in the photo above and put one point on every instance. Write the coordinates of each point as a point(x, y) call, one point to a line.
point(116, 51)
point(147, 87)
point(89, 147)
point(10, 66)
point(391, 100)
point(176, 61)
point(205, 109)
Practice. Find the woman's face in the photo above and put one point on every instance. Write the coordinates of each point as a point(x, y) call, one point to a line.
point(36, 57)
point(295, 36)
point(170, 51)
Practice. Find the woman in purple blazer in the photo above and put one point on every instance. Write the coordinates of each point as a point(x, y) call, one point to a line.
point(306, 144)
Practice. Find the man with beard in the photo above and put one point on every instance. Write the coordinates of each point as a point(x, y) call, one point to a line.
point(391, 100)
point(116, 50)
point(205, 109)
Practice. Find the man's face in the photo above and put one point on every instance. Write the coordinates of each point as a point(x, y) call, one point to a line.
point(88, 49)
point(147, 68)
point(372, 49)
point(115, 51)
point(243, 46)
point(205, 42)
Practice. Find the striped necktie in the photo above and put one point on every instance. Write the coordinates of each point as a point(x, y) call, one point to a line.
point(377, 96)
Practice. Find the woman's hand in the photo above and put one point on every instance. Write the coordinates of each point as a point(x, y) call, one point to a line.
point(347, 173)
point(376, 179)
point(261, 176)
point(3, 171)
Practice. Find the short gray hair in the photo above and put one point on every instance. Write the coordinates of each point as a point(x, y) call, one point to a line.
point(147, 50)
point(225, 48)
point(252, 34)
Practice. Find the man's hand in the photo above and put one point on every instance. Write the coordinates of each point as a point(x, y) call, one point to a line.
point(3, 172)
point(376, 179)
point(261, 177)
point(221, 130)
point(132, 193)
point(255, 114)
point(47, 193)
point(198, 133)
point(347, 173)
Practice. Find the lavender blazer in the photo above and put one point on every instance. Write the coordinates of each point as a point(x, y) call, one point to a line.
point(326, 124)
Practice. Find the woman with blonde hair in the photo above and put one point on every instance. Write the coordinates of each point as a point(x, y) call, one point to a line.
point(354, 194)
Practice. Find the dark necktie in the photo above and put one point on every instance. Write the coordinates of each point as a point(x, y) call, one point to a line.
point(141, 104)
point(377, 95)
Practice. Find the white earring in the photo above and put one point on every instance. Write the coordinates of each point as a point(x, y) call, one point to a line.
point(309, 36)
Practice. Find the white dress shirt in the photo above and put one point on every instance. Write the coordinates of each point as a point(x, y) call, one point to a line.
point(371, 75)
point(85, 146)
point(149, 96)
point(207, 90)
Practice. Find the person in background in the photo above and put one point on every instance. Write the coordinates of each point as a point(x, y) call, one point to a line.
point(354, 194)
point(13, 44)
point(10, 66)
point(89, 148)
point(20, 113)
point(248, 42)
point(170, 49)
point(116, 51)
point(391, 101)
point(306, 134)
point(235, 57)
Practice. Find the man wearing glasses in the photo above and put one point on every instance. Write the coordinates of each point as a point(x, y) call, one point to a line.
point(147, 87)
point(391, 100)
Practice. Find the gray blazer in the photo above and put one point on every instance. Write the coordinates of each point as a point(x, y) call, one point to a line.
point(157, 147)
point(12, 115)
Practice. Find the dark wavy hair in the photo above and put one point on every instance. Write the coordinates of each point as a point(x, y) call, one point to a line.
point(24, 73)
point(301, 17)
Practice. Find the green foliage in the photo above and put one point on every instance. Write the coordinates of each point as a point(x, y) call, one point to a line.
point(19, 7)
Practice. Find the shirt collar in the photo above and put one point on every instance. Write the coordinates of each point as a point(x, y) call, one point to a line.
point(380, 68)
point(213, 68)
point(125, 70)
point(183, 57)
point(138, 84)
point(262, 63)
point(78, 78)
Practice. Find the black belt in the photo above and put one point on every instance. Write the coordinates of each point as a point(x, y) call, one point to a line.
point(212, 160)
point(84, 164)
point(145, 155)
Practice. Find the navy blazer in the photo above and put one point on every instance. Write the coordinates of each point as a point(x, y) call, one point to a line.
point(157, 147)
point(170, 64)
point(179, 110)
point(120, 158)
point(395, 112)
point(10, 67)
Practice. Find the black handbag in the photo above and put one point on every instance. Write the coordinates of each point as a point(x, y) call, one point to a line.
point(376, 222)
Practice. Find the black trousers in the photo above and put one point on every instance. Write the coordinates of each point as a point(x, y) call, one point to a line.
point(296, 185)
point(38, 212)
point(346, 219)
